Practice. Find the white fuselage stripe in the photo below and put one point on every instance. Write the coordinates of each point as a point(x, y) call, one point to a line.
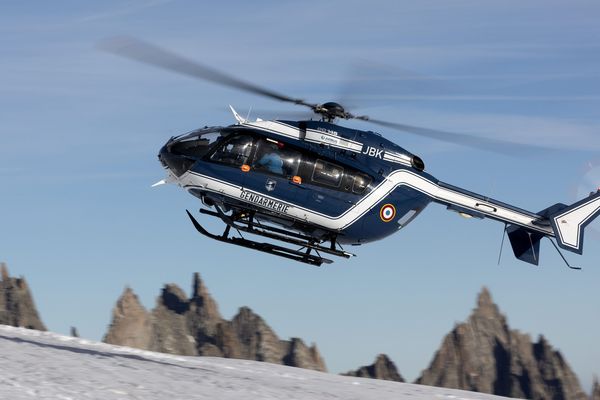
point(328, 138)
point(401, 177)
point(312, 135)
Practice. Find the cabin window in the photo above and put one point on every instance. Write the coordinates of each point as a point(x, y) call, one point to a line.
point(327, 173)
point(272, 157)
point(361, 182)
point(276, 158)
point(235, 152)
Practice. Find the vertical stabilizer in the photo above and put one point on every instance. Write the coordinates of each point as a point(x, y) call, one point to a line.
point(569, 223)
point(525, 243)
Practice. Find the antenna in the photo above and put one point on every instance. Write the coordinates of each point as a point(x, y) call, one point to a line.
point(502, 244)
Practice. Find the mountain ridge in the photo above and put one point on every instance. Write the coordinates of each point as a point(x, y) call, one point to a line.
point(481, 354)
point(193, 326)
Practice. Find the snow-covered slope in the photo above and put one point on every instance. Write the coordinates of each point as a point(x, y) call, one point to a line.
point(44, 365)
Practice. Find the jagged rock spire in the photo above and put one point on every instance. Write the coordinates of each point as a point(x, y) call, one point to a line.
point(4, 271)
point(595, 390)
point(484, 355)
point(382, 368)
point(484, 299)
point(486, 307)
point(17, 307)
point(174, 298)
point(198, 288)
point(257, 339)
point(301, 356)
point(130, 325)
point(203, 301)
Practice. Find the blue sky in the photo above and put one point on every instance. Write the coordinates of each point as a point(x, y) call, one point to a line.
point(80, 130)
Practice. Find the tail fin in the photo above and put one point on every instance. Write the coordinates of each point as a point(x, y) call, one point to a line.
point(568, 222)
point(525, 243)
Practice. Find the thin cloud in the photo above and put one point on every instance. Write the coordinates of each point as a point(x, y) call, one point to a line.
point(26, 25)
point(475, 98)
point(52, 178)
point(126, 9)
point(546, 132)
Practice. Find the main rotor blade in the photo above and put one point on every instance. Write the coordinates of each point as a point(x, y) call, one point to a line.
point(147, 53)
point(478, 142)
point(373, 83)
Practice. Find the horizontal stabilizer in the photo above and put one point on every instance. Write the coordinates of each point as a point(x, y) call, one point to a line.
point(569, 223)
point(525, 244)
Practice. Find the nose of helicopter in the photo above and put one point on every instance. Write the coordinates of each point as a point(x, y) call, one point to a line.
point(177, 163)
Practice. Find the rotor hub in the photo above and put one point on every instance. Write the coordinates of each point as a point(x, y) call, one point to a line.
point(331, 110)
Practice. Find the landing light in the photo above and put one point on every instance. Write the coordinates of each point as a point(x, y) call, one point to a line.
point(465, 215)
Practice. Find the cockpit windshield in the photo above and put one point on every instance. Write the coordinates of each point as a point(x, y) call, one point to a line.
point(197, 143)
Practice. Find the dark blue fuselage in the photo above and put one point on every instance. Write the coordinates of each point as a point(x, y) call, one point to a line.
point(316, 207)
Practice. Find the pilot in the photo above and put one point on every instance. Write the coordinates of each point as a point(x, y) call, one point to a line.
point(272, 162)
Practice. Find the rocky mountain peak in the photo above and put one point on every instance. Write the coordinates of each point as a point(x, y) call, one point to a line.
point(257, 339)
point(4, 271)
point(174, 299)
point(484, 298)
point(595, 390)
point(484, 355)
point(485, 305)
point(248, 324)
point(542, 349)
point(128, 300)
point(198, 288)
point(382, 368)
point(246, 314)
point(130, 324)
point(202, 302)
point(301, 356)
point(16, 302)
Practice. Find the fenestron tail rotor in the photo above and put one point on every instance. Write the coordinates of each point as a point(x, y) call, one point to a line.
point(147, 53)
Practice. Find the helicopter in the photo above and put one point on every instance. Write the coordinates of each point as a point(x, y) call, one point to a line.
point(313, 186)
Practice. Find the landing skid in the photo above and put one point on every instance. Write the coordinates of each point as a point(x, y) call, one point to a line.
point(245, 222)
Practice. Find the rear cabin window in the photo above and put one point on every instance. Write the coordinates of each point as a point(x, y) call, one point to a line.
point(361, 181)
point(235, 152)
point(327, 173)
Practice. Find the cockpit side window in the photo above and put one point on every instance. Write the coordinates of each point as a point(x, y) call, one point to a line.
point(235, 151)
point(276, 158)
point(195, 144)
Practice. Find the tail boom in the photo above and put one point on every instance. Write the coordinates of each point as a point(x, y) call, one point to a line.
point(478, 206)
point(565, 223)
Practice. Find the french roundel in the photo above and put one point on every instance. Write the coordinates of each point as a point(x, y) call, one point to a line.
point(387, 212)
